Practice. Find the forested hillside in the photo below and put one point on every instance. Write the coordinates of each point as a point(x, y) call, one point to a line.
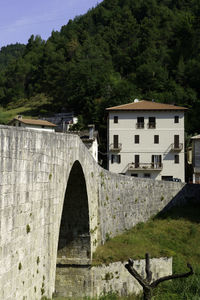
point(118, 51)
point(10, 53)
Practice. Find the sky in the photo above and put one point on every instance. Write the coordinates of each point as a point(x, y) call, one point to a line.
point(19, 19)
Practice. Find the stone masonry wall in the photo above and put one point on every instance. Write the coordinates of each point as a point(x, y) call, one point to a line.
point(95, 281)
point(34, 171)
point(115, 277)
point(125, 201)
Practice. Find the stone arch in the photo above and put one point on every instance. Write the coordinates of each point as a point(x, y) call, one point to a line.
point(74, 245)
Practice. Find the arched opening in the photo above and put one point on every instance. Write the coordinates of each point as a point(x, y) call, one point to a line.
point(73, 255)
point(74, 236)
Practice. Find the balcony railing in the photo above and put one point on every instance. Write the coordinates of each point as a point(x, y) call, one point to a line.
point(176, 147)
point(140, 125)
point(145, 166)
point(115, 147)
point(151, 125)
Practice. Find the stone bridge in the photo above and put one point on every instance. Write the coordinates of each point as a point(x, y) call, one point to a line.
point(57, 205)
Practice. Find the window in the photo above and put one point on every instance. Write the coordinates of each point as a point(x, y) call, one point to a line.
point(137, 139)
point(140, 122)
point(115, 158)
point(134, 175)
point(176, 141)
point(156, 139)
point(176, 119)
point(156, 161)
point(197, 178)
point(176, 159)
point(137, 161)
point(115, 119)
point(167, 178)
point(147, 175)
point(116, 141)
point(152, 122)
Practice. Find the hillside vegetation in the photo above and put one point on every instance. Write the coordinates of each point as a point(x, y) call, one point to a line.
point(10, 54)
point(118, 51)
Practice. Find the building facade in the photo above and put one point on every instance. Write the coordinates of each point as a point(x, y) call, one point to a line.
point(34, 124)
point(64, 121)
point(146, 139)
point(196, 158)
point(90, 138)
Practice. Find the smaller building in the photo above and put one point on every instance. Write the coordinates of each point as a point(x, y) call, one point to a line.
point(64, 121)
point(196, 158)
point(32, 124)
point(91, 140)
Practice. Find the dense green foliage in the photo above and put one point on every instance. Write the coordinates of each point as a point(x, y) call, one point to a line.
point(118, 51)
point(10, 53)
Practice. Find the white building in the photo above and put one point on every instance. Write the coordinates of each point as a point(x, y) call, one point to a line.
point(146, 139)
point(64, 121)
point(196, 158)
point(32, 124)
point(91, 140)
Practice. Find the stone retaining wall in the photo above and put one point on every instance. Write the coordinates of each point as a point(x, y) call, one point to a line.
point(80, 281)
point(115, 277)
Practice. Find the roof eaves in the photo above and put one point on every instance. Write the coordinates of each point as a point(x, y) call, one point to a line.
point(35, 122)
point(196, 137)
point(144, 105)
point(147, 109)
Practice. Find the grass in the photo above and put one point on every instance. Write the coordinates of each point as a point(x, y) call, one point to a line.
point(171, 234)
point(29, 108)
point(7, 115)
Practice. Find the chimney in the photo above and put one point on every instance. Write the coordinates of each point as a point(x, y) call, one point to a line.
point(136, 100)
point(91, 131)
point(19, 117)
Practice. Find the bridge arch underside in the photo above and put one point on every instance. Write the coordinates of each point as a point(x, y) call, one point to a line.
point(74, 236)
point(74, 247)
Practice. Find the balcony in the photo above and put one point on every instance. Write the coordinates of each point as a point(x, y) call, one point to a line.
point(151, 125)
point(115, 147)
point(145, 166)
point(140, 125)
point(176, 147)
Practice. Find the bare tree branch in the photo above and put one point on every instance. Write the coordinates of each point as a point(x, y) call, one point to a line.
point(156, 282)
point(135, 274)
point(147, 269)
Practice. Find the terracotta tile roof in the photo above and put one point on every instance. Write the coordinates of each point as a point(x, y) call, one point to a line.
point(35, 122)
point(196, 137)
point(146, 105)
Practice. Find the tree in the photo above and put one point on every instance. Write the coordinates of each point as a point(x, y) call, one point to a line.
point(146, 284)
